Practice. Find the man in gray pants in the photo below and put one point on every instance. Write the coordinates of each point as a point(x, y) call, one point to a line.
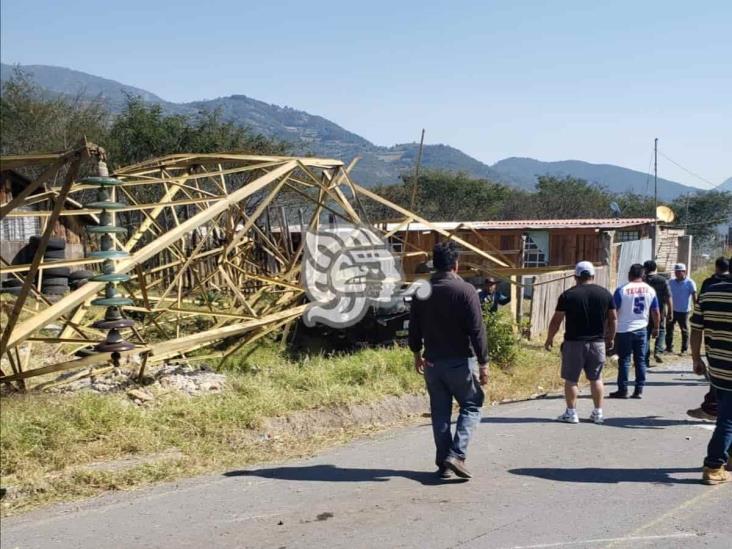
point(449, 322)
point(588, 311)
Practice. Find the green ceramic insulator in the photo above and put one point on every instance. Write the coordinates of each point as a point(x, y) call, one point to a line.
point(109, 254)
point(106, 205)
point(102, 181)
point(105, 229)
point(112, 301)
point(113, 277)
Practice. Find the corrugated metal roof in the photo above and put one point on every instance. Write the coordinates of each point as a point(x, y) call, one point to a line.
point(533, 224)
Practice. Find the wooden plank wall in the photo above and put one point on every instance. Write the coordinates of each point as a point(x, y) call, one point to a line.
point(571, 246)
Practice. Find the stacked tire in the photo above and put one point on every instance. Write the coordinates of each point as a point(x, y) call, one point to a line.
point(78, 278)
point(55, 280)
point(11, 286)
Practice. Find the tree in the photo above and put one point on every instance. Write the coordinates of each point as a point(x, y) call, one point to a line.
point(34, 122)
point(447, 196)
point(143, 131)
point(569, 197)
point(701, 213)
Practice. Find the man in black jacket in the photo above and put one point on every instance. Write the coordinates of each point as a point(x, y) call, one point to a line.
point(663, 294)
point(448, 324)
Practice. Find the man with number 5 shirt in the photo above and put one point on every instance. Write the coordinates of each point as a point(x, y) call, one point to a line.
point(636, 303)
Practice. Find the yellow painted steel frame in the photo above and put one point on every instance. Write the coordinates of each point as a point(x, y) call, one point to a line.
point(207, 267)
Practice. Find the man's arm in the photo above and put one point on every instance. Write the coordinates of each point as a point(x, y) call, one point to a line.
point(695, 339)
point(476, 332)
point(669, 306)
point(656, 321)
point(611, 326)
point(415, 336)
point(554, 325)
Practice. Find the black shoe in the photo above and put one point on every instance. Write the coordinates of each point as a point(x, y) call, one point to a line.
point(457, 466)
point(658, 358)
point(444, 473)
point(637, 394)
point(618, 394)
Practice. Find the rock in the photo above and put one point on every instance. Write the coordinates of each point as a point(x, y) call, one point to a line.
point(139, 394)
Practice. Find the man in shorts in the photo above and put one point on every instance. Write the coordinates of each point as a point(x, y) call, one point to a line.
point(589, 313)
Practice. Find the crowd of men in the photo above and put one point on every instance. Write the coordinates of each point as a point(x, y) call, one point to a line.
point(448, 339)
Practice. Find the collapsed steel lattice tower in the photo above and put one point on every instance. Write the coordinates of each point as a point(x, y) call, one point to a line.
point(208, 259)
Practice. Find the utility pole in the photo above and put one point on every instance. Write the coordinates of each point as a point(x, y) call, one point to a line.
point(655, 198)
point(416, 173)
point(413, 198)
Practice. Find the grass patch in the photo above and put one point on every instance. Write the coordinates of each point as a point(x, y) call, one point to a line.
point(47, 439)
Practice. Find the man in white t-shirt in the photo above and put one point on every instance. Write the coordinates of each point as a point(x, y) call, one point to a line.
point(636, 303)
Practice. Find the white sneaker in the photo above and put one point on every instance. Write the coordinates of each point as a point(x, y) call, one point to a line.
point(597, 417)
point(568, 417)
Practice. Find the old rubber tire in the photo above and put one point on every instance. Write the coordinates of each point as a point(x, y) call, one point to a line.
point(53, 243)
point(82, 274)
point(54, 254)
point(12, 283)
point(76, 284)
point(13, 291)
point(54, 290)
point(56, 272)
point(54, 281)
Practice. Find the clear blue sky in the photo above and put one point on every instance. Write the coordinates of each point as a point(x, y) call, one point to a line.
point(594, 81)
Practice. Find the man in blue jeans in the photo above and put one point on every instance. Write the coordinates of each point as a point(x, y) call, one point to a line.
point(449, 322)
point(712, 320)
point(683, 294)
point(636, 303)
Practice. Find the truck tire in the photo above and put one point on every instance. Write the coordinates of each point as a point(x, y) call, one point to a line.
point(54, 290)
point(82, 274)
point(54, 254)
point(54, 272)
point(12, 291)
point(54, 281)
point(53, 243)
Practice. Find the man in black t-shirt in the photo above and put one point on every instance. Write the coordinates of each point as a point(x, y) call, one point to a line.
point(663, 294)
point(591, 320)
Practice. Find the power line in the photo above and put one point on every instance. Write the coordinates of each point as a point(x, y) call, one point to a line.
point(720, 221)
point(687, 170)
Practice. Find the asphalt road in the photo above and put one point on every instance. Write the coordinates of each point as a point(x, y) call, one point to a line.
point(633, 482)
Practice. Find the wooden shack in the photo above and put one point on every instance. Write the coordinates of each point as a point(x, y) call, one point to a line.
point(15, 232)
point(530, 244)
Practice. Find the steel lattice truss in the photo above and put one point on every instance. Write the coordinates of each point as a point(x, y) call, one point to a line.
point(211, 258)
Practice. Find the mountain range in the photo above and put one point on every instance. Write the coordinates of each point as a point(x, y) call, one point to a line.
point(312, 134)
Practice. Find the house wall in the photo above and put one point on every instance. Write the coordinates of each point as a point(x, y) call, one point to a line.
point(566, 246)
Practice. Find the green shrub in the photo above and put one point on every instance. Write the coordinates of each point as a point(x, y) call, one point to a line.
point(503, 341)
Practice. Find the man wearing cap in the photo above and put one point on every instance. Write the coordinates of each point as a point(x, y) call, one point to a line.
point(663, 294)
point(490, 296)
point(683, 293)
point(637, 304)
point(589, 312)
